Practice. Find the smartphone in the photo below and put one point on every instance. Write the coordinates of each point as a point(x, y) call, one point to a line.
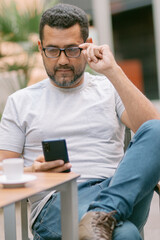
point(55, 149)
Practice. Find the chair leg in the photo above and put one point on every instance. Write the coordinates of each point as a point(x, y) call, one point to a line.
point(24, 219)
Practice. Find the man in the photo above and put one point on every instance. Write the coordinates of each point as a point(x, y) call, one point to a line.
point(90, 113)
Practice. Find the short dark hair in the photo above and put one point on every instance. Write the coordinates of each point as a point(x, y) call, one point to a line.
point(63, 16)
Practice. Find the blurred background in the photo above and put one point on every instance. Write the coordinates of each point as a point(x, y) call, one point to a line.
point(130, 27)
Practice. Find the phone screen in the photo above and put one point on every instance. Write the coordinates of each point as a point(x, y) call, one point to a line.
point(55, 149)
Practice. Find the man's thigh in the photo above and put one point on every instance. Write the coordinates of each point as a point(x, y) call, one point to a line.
point(48, 224)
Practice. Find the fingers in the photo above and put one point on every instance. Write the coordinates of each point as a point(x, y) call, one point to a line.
point(40, 158)
point(40, 165)
point(84, 45)
point(92, 52)
point(63, 168)
point(45, 166)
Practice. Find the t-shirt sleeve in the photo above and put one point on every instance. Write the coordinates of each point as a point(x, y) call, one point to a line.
point(12, 136)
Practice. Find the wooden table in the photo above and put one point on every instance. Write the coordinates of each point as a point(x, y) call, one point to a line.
point(63, 182)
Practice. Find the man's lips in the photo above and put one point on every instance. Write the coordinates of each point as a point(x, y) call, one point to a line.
point(64, 70)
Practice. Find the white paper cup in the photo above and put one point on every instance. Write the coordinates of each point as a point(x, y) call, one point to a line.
point(13, 168)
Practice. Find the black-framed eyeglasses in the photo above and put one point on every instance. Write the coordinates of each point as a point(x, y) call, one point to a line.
point(54, 52)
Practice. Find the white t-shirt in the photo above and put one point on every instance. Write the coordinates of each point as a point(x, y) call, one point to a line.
point(87, 116)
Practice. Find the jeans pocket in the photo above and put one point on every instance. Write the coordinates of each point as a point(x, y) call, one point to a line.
point(37, 237)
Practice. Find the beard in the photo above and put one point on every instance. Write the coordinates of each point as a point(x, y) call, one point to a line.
point(65, 80)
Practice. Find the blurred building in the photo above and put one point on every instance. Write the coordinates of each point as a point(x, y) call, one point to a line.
point(133, 37)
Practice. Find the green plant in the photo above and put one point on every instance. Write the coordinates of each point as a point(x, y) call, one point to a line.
point(21, 69)
point(18, 25)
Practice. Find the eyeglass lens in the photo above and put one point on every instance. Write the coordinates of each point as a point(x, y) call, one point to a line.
point(52, 52)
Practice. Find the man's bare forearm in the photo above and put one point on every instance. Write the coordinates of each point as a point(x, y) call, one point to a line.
point(138, 109)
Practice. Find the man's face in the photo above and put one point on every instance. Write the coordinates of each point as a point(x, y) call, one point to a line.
point(63, 71)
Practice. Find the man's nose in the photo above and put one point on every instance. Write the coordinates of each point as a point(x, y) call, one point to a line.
point(63, 59)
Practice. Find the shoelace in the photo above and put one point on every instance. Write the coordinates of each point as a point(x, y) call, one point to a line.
point(104, 225)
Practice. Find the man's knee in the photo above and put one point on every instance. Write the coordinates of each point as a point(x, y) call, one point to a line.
point(153, 127)
point(126, 231)
point(149, 132)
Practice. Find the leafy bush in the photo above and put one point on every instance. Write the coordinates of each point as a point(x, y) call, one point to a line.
point(17, 25)
point(20, 27)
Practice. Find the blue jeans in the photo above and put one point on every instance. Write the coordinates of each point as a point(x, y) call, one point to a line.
point(129, 191)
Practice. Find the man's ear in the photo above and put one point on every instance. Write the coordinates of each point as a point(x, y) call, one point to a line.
point(40, 46)
point(89, 40)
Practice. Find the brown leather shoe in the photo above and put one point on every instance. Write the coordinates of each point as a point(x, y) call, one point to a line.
point(97, 226)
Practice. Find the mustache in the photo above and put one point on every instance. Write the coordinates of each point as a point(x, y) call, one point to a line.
point(64, 68)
